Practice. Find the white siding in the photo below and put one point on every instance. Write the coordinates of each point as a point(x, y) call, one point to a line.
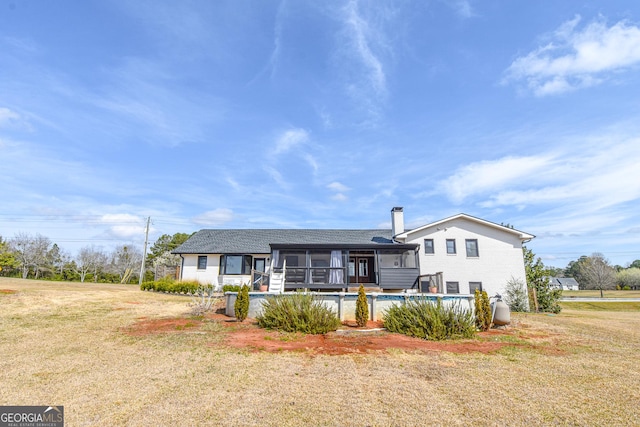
point(211, 275)
point(500, 255)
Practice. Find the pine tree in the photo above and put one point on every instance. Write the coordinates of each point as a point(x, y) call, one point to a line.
point(362, 308)
point(241, 306)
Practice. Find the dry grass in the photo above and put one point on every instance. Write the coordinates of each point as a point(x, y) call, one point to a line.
point(606, 294)
point(66, 344)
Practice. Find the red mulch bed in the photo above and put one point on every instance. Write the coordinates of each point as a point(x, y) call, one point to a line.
point(7, 291)
point(349, 340)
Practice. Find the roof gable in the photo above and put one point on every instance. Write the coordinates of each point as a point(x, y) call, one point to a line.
point(521, 234)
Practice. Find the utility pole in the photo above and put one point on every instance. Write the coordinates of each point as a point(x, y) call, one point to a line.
point(144, 252)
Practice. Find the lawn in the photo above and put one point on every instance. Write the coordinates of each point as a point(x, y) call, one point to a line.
point(606, 294)
point(92, 349)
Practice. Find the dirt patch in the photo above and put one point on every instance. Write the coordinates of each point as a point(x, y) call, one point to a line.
point(335, 343)
point(348, 340)
point(156, 326)
point(7, 291)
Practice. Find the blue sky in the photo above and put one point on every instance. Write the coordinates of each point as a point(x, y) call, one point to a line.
point(277, 114)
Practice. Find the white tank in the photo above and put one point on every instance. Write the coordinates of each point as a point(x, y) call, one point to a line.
point(501, 313)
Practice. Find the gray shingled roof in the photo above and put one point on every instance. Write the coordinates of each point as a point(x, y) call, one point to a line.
point(256, 241)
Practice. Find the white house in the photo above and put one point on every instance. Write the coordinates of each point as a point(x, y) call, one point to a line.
point(457, 254)
point(469, 252)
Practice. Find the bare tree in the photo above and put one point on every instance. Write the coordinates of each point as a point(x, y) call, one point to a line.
point(124, 261)
point(90, 259)
point(597, 273)
point(21, 245)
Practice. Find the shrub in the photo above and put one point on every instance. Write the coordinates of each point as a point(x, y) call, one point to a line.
point(241, 306)
point(515, 295)
point(297, 313)
point(201, 300)
point(424, 319)
point(362, 308)
point(483, 310)
point(169, 285)
point(231, 288)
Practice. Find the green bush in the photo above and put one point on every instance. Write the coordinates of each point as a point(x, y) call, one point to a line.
point(516, 295)
point(483, 310)
point(231, 288)
point(362, 308)
point(241, 306)
point(170, 285)
point(423, 319)
point(297, 313)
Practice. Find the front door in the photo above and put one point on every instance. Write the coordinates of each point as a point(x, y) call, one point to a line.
point(361, 269)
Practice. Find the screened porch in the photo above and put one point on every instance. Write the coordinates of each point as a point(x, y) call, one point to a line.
point(327, 267)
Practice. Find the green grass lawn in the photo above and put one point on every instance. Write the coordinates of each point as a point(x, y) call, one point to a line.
point(607, 294)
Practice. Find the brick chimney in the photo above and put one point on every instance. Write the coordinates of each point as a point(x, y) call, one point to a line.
point(397, 221)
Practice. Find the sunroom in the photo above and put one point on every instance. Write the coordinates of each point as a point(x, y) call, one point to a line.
point(387, 266)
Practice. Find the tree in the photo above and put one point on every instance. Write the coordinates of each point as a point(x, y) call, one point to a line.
point(515, 295)
point(7, 259)
point(546, 297)
point(628, 278)
point(597, 273)
point(124, 261)
point(160, 256)
point(22, 247)
point(57, 260)
point(362, 308)
point(573, 270)
point(635, 264)
point(241, 306)
point(89, 260)
point(166, 243)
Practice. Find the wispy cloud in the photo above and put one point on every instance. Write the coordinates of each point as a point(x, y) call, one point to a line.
point(577, 57)
point(215, 217)
point(339, 190)
point(601, 174)
point(363, 47)
point(289, 139)
point(461, 7)
point(491, 175)
point(8, 117)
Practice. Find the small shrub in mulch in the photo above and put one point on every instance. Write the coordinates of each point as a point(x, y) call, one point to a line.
point(423, 319)
point(298, 313)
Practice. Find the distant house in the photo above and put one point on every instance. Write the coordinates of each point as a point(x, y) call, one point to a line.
point(456, 255)
point(564, 283)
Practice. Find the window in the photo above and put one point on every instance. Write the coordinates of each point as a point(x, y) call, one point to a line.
point(428, 246)
point(472, 248)
point(202, 262)
point(473, 286)
point(453, 288)
point(235, 264)
point(451, 246)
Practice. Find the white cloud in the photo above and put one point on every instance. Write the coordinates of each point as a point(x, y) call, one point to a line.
point(124, 225)
point(290, 139)
point(338, 187)
point(362, 37)
point(487, 176)
point(600, 175)
point(577, 58)
point(9, 118)
point(215, 217)
point(339, 197)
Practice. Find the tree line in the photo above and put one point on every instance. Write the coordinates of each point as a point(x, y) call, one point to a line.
point(596, 272)
point(37, 257)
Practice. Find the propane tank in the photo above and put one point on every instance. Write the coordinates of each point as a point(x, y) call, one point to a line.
point(501, 313)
